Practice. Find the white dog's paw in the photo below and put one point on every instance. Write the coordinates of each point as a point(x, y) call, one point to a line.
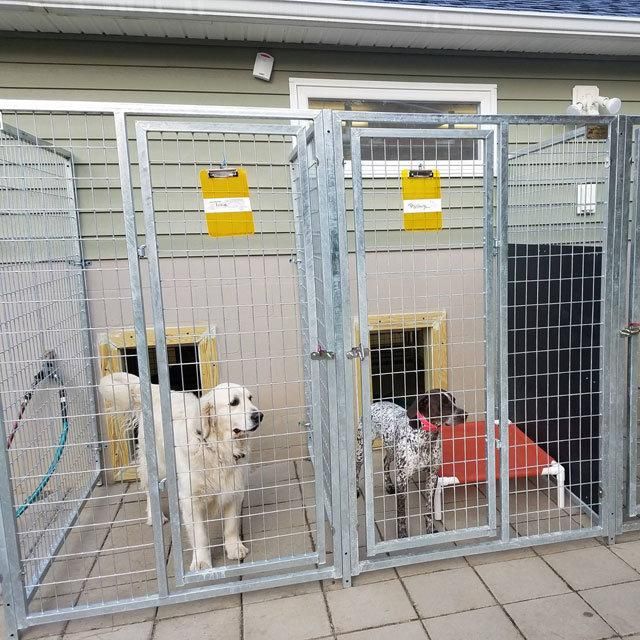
point(236, 550)
point(200, 564)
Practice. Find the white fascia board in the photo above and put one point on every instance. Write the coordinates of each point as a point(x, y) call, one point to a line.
point(346, 15)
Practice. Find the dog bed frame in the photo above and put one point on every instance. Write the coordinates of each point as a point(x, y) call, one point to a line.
point(464, 460)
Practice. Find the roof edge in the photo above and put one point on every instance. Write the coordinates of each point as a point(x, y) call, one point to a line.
point(342, 14)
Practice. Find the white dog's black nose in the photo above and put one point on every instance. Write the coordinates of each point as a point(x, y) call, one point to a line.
point(257, 417)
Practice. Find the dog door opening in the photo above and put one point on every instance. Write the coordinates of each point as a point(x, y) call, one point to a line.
point(192, 356)
point(400, 364)
point(184, 366)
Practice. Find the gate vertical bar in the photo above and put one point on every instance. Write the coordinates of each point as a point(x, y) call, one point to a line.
point(312, 327)
point(363, 321)
point(328, 211)
point(142, 349)
point(340, 272)
point(491, 338)
point(609, 338)
point(614, 406)
point(633, 355)
point(502, 350)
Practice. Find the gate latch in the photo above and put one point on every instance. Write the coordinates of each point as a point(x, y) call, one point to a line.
point(357, 352)
point(322, 354)
point(632, 329)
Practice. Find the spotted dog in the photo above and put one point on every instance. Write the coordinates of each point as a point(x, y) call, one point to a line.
point(411, 439)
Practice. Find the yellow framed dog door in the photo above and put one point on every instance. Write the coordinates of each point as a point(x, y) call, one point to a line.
point(227, 204)
point(421, 200)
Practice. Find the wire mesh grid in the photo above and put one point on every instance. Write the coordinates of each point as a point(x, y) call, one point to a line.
point(425, 327)
point(558, 204)
point(232, 312)
point(62, 294)
point(42, 330)
point(247, 288)
point(251, 309)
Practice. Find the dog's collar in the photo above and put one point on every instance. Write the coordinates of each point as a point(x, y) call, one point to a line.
point(426, 425)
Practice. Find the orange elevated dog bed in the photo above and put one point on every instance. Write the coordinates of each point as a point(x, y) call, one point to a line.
point(464, 459)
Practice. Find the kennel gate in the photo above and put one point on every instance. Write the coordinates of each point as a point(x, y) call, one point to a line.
point(335, 229)
point(537, 265)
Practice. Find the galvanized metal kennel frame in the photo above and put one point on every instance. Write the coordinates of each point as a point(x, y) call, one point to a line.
point(327, 233)
point(629, 507)
point(613, 230)
point(116, 568)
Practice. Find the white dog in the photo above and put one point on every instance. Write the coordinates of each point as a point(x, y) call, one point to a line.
point(211, 437)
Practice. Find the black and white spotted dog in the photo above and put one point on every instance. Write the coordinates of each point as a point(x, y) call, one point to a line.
point(411, 439)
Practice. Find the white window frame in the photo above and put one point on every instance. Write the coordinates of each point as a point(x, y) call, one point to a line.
point(301, 90)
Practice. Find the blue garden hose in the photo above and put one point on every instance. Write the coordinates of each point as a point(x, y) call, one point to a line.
point(48, 371)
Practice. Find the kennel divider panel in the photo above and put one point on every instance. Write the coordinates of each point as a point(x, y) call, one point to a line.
point(227, 131)
point(485, 139)
point(562, 294)
point(39, 198)
point(632, 466)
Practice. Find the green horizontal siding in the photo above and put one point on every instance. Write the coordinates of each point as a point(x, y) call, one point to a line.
point(212, 74)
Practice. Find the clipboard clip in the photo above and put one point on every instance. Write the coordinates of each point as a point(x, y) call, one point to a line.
point(421, 173)
point(223, 172)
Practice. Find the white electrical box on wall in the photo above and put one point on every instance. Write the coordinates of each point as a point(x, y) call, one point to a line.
point(263, 66)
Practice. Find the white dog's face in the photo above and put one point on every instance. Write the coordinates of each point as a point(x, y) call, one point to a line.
point(231, 405)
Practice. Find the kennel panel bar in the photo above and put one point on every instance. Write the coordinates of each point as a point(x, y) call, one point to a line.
point(632, 498)
point(233, 282)
point(64, 300)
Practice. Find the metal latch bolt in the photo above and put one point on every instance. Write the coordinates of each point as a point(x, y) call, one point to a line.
point(322, 354)
point(357, 352)
point(632, 329)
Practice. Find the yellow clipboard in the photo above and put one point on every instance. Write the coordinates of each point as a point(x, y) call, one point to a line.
point(227, 204)
point(421, 200)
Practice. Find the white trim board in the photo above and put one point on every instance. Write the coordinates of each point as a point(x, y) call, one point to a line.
point(301, 90)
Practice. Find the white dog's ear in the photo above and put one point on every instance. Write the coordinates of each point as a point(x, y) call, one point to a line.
point(208, 411)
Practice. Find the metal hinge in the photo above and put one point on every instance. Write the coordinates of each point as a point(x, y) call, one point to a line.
point(79, 263)
point(322, 354)
point(162, 484)
point(142, 251)
point(496, 245)
point(357, 352)
point(632, 329)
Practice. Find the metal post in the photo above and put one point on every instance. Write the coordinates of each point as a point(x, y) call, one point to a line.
point(142, 349)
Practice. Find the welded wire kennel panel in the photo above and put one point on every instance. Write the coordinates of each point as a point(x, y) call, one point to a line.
point(556, 184)
point(404, 277)
point(246, 286)
point(558, 217)
point(74, 287)
point(50, 420)
point(281, 310)
point(309, 205)
point(110, 559)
